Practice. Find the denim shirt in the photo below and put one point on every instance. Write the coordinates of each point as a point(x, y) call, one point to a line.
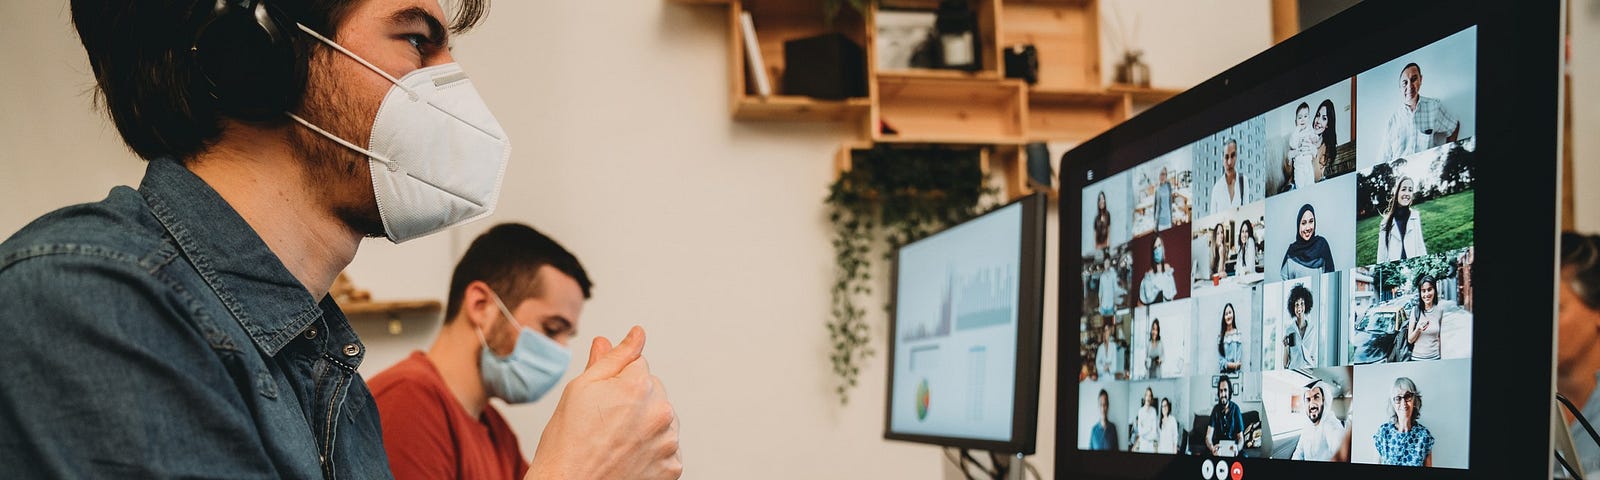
point(154, 335)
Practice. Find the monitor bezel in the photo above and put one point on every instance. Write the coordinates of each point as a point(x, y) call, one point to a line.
point(1524, 38)
point(1030, 322)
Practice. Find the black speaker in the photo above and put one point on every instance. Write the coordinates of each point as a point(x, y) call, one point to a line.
point(828, 66)
point(1022, 61)
point(246, 56)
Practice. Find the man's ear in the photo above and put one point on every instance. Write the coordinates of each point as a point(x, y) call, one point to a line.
point(477, 305)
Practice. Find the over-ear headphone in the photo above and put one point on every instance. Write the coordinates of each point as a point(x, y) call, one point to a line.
point(248, 59)
point(1582, 253)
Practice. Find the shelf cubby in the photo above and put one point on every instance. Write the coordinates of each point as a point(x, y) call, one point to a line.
point(960, 111)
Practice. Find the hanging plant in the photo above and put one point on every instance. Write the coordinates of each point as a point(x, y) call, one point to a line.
point(899, 195)
point(831, 8)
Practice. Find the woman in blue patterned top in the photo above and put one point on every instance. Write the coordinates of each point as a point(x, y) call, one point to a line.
point(1230, 344)
point(1403, 441)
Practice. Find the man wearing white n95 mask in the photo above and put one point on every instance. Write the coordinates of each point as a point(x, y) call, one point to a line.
point(515, 301)
point(183, 329)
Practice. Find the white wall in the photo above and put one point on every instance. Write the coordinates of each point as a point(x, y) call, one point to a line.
point(710, 233)
point(1170, 31)
point(1585, 16)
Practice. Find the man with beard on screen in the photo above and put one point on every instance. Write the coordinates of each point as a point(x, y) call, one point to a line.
point(1324, 440)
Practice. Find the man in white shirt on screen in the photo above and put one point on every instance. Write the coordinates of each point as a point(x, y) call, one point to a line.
point(1324, 439)
point(1420, 123)
point(1228, 192)
point(1147, 424)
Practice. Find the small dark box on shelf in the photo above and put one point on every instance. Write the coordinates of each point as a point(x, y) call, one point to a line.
point(828, 66)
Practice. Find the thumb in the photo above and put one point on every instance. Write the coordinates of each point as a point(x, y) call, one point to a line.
point(611, 362)
point(597, 349)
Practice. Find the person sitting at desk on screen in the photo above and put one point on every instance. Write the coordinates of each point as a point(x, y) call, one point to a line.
point(1227, 422)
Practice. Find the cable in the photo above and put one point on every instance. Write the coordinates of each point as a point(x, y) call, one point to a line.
point(999, 472)
point(967, 454)
point(960, 464)
point(1570, 471)
point(1581, 420)
point(1029, 466)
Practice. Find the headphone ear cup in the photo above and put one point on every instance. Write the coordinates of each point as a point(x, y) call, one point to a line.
point(248, 62)
point(1586, 275)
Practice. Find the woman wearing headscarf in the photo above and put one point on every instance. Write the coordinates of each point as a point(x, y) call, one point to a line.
point(1309, 254)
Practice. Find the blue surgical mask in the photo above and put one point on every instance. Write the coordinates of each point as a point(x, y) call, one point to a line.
point(534, 366)
point(1160, 255)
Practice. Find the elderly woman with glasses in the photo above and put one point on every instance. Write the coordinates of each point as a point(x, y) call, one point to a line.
point(1404, 441)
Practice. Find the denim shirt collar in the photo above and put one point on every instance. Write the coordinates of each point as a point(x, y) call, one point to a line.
point(251, 281)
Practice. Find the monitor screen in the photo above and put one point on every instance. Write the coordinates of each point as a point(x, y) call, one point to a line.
point(964, 346)
point(1279, 275)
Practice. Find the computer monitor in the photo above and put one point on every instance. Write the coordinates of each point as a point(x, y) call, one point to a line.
point(1310, 266)
point(964, 333)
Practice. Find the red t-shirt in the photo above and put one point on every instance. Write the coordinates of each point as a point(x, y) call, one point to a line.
point(428, 434)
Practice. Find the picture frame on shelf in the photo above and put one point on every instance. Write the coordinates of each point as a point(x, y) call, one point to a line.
point(905, 37)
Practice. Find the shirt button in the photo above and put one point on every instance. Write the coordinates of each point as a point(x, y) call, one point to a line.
point(351, 349)
point(323, 459)
point(311, 333)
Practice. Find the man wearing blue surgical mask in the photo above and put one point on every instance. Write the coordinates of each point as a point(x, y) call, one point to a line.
point(183, 329)
point(515, 302)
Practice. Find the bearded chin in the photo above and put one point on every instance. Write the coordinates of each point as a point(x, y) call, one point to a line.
point(341, 176)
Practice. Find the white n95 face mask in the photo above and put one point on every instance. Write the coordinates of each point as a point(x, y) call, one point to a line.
point(436, 154)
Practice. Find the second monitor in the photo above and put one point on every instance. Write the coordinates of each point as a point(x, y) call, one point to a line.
point(964, 333)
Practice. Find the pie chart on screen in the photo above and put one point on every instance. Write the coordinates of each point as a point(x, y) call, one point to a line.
point(922, 400)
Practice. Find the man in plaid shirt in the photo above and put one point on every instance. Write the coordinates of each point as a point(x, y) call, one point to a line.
point(1420, 123)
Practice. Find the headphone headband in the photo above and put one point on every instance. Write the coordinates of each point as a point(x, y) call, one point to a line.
point(247, 59)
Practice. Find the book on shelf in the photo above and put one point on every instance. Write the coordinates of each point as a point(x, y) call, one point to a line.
point(752, 55)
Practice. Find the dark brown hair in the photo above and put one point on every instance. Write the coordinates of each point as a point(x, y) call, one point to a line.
point(508, 258)
point(150, 85)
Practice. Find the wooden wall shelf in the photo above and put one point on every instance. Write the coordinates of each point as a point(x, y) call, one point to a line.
point(1145, 94)
point(947, 107)
point(949, 110)
point(784, 107)
point(931, 73)
point(390, 309)
point(1066, 36)
point(776, 22)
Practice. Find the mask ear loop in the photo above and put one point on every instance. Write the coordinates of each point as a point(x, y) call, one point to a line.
point(504, 312)
point(409, 92)
point(348, 53)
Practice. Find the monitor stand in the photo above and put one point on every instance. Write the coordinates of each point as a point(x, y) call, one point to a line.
point(1015, 468)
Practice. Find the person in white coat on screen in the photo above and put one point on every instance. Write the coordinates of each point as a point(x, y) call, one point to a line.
point(1400, 234)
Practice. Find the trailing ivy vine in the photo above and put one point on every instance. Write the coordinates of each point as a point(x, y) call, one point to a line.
point(898, 195)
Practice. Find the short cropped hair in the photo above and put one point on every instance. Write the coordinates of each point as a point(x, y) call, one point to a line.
point(152, 87)
point(508, 258)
